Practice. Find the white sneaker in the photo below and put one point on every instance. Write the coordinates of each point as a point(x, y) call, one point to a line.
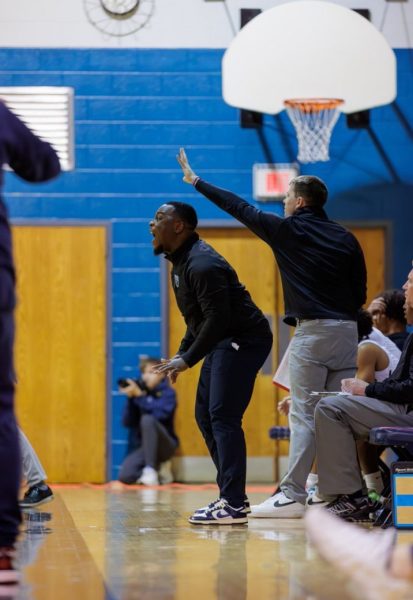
point(348, 547)
point(165, 472)
point(314, 500)
point(149, 476)
point(278, 506)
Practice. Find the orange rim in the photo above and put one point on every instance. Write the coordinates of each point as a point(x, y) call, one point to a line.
point(307, 105)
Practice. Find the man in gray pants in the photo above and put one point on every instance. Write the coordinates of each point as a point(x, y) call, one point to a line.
point(34, 474)
point(324, 283)
point(342, 420)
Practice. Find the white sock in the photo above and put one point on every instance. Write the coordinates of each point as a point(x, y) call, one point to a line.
point(312, 480)
point(374, 482)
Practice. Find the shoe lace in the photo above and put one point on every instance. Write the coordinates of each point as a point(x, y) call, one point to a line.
point(221, 503)
point(341, 505)
point(34, 489)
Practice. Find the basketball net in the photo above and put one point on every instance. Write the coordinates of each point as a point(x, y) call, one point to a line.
point(313, 119)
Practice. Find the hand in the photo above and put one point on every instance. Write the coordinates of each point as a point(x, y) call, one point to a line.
point(173, 376)
point(354, 386)
point(189, 175)
point(377, 305)
point(171, 367)
point(284, 406)
point(132, 390)
point(377, 309)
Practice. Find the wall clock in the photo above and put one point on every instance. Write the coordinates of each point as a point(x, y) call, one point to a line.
point(119, 17)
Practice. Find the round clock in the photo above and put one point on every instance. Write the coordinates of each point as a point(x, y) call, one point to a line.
point(119, 17)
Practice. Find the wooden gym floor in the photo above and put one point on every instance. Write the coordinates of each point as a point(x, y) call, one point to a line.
point(117, 543)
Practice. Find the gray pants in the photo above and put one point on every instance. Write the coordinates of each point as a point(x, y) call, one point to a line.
point(32, 468)
point(322, 353)
point(157, 446)
point(340, 421)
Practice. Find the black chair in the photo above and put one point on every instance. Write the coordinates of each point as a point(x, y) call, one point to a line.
point(279, 433)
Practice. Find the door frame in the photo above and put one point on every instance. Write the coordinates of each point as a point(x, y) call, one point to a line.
point(107, 225)
point(388, 227)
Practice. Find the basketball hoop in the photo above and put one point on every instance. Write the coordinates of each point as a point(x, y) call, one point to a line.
point(313, 119)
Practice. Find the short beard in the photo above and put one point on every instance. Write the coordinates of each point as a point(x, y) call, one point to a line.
point(159, 250)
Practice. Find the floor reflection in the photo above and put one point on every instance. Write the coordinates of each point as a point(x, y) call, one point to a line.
point(33, 526)
point(102, 544)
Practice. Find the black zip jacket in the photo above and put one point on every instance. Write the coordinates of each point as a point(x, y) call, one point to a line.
point(321, 263)
point(214, 304)
point(398, 388)
point(31, 158)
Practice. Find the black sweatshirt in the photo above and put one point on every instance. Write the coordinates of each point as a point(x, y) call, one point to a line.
point(214, 304)
point(398, 388)
point(30, 157)
point(321, 263)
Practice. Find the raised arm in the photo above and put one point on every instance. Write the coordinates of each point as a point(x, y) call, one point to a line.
point(264, 225)
point(30, 157)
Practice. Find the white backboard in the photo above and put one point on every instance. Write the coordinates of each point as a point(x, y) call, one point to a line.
point(308, 49)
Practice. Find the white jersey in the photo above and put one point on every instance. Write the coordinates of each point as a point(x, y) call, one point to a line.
point(389, 347)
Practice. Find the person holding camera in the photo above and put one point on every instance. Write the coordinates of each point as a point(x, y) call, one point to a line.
point(149, 414)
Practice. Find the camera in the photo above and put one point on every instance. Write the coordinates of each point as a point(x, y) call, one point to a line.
point(123, 383)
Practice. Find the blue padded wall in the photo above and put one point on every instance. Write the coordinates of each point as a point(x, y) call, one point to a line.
point(133, 109)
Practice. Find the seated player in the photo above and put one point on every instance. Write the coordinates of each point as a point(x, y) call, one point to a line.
point(342, 420)
point(388, 316)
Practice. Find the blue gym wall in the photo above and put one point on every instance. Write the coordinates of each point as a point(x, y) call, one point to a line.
point(133, 109)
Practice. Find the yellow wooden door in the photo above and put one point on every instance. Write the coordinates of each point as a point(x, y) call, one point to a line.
point(60, 350)
point(255, 265)
point(373, 242)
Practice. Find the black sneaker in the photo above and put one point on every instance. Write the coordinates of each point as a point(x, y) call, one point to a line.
point(356, 510)
point(36, 495)
point(221, 514)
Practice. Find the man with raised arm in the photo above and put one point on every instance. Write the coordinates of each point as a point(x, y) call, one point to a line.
point(324, 282)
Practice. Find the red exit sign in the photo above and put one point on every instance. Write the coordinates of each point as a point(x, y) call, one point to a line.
point(271, 181)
